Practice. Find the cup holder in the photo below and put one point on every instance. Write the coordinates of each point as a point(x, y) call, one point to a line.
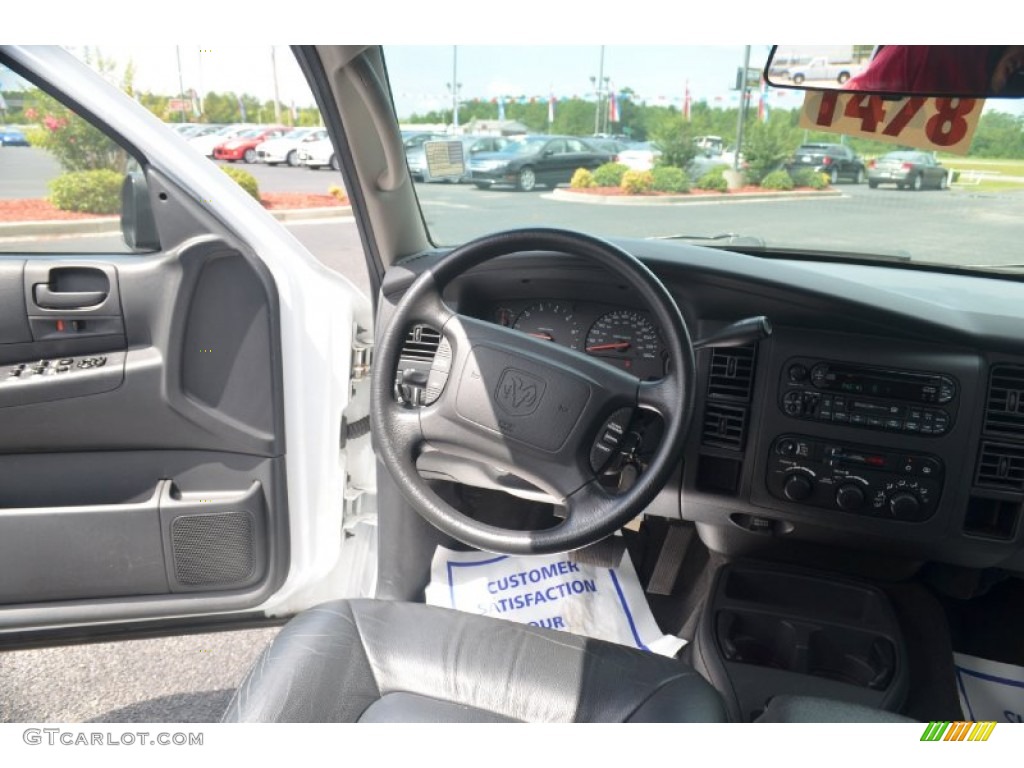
point(843, 654)
point(851, 657)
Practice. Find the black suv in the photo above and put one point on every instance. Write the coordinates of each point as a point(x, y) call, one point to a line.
point(835, 160)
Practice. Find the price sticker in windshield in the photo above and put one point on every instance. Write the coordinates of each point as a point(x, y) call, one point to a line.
point(934, 123)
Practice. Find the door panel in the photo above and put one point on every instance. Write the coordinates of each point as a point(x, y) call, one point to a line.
point(157, 473)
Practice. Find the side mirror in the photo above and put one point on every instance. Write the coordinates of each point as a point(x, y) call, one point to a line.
point(138, 226)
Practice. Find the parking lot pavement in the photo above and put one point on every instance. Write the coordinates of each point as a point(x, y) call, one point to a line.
point(177, 679)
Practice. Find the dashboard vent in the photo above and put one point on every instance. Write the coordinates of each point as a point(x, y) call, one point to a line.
point(732, 373)
point(1004, 410)
point(1001, 466)
point(421, 344)
point(725, 426)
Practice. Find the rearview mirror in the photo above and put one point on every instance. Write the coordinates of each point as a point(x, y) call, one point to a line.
point(970, 71)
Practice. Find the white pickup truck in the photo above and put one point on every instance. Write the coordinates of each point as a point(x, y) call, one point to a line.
point(821, 68)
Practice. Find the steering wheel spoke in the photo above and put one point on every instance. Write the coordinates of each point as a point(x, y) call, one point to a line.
point(662, 396)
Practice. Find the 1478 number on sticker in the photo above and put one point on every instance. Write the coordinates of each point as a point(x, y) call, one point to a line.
point(937, 123)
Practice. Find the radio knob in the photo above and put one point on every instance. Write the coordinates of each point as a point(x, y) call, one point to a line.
point(904, 505)
point(798, 487)
point(849, 497)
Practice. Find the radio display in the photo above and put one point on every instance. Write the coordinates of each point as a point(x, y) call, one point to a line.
point(894, 385)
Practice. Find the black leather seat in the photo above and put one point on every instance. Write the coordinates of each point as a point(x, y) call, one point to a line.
point(379, 661)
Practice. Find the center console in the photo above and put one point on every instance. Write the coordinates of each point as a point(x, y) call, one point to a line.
point(768, 631)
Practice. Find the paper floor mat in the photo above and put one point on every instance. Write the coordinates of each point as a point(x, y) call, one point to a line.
point(990, 690)
point(553, 592)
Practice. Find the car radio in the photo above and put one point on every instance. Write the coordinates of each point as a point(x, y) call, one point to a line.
point(862, 480)
point(912, 402)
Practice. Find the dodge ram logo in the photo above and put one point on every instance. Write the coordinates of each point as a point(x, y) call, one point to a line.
point(519, 393)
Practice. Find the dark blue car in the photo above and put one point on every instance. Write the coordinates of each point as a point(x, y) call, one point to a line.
point(12, 137)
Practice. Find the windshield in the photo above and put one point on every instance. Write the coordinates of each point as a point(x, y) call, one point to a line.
point(706, 171)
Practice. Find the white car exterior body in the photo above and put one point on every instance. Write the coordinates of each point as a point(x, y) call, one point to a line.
point(277, 150)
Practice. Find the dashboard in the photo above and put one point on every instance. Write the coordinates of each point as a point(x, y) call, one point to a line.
point(884, 414)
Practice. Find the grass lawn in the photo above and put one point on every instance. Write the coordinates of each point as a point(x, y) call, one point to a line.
point(1004, 167)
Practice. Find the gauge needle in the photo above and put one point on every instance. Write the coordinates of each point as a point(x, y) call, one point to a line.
point(545, 336)
point(613, 345)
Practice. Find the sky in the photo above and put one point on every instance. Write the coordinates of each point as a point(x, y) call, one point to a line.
point(421, 75)
point(641, 50)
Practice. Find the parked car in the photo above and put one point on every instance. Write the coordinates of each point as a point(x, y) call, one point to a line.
point(415, 157)
point(471, 146)
point(913, 170)
point(207, 142)
point(821, 69)
point(837, 161)
point(612, 146)
point(640, 156)
point(318, 154)
point(12, 137)
point(533, 160)
point(285, 149)
point(243, 146)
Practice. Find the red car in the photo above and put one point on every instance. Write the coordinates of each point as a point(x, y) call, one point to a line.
point(243, 146)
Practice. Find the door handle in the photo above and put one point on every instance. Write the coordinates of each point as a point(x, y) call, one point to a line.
point(48, 299)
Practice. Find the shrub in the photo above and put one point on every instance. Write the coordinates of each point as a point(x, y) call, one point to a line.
point(777, 180)
point(673, 136)
point(609, 175)
point(74, 142)
point(338, 193)
point(714, 180)
point(668, 179)
point(582, 179)
point(808, 177)
point(244, 179)
point(637, 182)
point(96, 191)
point(767, 145)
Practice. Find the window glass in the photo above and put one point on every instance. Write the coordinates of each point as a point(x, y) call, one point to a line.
point(60, 176)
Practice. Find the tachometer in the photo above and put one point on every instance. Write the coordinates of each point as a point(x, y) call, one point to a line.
point(550, 321)
point(629, 340)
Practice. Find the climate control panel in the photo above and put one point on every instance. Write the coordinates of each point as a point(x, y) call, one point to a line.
point(855, 479)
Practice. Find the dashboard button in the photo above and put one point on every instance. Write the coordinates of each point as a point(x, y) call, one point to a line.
point(894, 424)
point(840, 416)
point(912, 426)
point(797, 372)
point(874, 421)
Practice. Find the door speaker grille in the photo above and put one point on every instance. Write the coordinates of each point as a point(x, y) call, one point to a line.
point(213, 549)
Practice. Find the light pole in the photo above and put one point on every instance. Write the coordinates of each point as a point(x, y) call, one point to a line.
point(743, 110)
point(181, 84)
point(277, 98)
point(454, 86)
point(599, 82)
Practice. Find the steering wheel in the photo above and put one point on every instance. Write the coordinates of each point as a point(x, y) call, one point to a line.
point(547, 413)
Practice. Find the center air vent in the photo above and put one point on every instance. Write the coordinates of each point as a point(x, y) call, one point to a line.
point(730, 386)
point(1001, 466)
point(1004, 409)
point(724, 426)
point(421, 344)
point(732, 373)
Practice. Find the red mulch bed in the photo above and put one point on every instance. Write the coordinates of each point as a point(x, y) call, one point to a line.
point(36, 210)
point(285, 200)
point(42, 210)
point(619, 192)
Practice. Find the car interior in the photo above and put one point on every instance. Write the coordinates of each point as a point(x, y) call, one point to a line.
point(814, 463)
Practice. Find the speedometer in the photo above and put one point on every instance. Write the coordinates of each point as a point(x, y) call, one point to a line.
point(630, 341)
